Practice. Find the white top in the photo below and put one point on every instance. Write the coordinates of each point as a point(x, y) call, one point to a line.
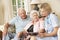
point(37, 26)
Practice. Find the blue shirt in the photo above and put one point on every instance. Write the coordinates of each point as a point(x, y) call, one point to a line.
point(51, 21)
point(19, 23)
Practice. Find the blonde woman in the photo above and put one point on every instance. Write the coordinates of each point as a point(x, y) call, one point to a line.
point(51, 23)
point(37, 22)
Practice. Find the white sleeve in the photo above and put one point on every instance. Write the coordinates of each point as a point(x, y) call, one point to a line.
point(27, 26)
point(54, 20)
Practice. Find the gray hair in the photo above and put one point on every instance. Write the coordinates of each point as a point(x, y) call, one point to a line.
point(21, 9)
point(32, 12)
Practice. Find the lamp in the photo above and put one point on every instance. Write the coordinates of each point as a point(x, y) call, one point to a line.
point(35, 2)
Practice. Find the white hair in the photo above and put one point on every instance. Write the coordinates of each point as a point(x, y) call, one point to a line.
point(33, 12)
point(21, 9)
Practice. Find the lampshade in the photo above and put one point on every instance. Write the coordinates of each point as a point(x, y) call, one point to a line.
point(35, 2)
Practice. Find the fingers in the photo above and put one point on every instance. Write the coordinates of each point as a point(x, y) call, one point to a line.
point(19, 34)
point(33, 38)
point(41, 35)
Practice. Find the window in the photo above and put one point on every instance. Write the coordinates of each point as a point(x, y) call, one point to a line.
point(16, 4)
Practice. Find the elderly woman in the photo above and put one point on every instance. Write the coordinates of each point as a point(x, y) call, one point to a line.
point(51, 23)
point(37, 22)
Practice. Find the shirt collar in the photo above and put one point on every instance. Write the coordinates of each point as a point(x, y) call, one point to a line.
point(47, 17)
point(21, 18)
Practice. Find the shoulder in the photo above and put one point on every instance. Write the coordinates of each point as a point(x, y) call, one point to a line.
point(53, 15)
point(31, 22)
point(15, 17)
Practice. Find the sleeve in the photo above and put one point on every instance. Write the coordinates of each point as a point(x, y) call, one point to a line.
point(54, 21)
point(27, 26)
point(12, 22)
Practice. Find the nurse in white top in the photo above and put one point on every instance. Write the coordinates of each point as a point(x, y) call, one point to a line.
point(51, 23)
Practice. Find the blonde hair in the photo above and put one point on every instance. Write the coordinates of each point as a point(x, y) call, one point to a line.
point(46, 6)
point(33, 12)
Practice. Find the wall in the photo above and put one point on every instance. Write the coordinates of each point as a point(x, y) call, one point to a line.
point(1, 13)
point(7, 10)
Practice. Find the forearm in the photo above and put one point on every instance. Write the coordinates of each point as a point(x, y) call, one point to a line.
point(50, 34)
point(5, 29)
point(54, 33)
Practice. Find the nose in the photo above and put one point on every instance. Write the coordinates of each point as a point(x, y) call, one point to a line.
point(22, 14)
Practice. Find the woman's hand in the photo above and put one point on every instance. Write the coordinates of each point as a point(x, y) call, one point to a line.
point(54, 33)
point(42, 35)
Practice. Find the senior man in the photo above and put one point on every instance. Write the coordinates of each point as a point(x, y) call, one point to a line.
point(19, 21)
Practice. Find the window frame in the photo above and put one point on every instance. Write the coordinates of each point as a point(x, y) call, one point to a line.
point(17, 5)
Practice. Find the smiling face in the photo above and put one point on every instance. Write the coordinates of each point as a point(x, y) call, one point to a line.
point(35, 16)
point(44, 12)
point(45, 9)
point(22, 13)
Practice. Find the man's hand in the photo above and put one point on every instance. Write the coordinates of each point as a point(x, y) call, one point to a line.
point(24, 32)
point(5, 29)
point(5, 32)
